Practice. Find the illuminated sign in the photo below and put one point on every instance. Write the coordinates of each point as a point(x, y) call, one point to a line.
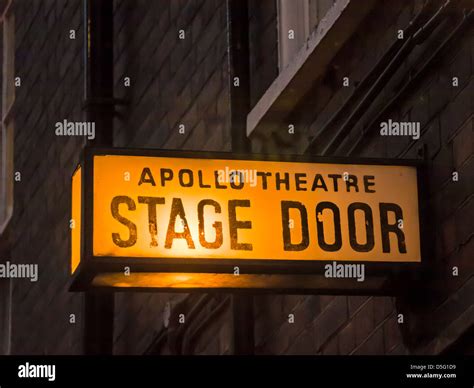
point(149, 212)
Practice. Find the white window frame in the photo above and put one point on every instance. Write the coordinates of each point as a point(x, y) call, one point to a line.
point(301, 17)
point(293, 17)
point(309, 63)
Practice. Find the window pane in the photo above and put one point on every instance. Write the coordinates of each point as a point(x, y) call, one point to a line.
point(292, 28)
point(313, 14)
point(317, 11)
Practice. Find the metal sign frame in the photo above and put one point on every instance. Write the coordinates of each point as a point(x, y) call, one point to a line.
point(90, 265)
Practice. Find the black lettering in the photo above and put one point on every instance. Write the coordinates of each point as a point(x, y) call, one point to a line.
point(369, 227)
point(337, 227)
point(279, 181)
point(114, 206)
point(352, 182)
point(218, 185)
point(334, 178)
point(216, 225)
point(285, 219)
point(171, 234)
point(300, 181)
point(152, 227)
point(391, 228)
point(319, 183)
point(190, 175)
point(166, 174)
point(264, 176)
point(367, 184)
point(143, 178)
point(201, 183)
point(235, 174)
point(234, 225)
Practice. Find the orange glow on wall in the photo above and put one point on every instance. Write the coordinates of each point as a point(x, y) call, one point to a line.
point(213, 281)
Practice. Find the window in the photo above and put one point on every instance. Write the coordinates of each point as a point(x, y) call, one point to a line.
point(7, 127)
point(296, 20)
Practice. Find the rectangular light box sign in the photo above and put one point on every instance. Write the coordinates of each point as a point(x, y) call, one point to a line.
point(174, 211)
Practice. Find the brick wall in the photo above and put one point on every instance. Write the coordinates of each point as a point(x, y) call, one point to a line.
point(263, 42)
point(434, 318)
point(173, 81)
point(185, 81)
point(50, 67)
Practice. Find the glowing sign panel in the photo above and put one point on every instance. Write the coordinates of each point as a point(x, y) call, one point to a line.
point(165, 208)
point(181, 207)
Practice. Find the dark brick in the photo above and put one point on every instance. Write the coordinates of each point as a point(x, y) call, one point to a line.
point(463, 144)
point(276, 343)
point(330, 320)
point(331, 348)
point(392, 335)
point(432, 139)
point(355, 302)
point(304, 310)
point(212, 30)
point(449, 236)
point(347, 340)
point(453, 307)
point(374, 345)
point(419, 111)
point(460, 68)
point(454, 193)
point(210, 91)
point(457, 112)
point(463, 220)
point(325, 300)
point(383, 306)
point(399, 350)
point(269, 316)
point(303, 344)
point(442, 168)
point(364, 321)
point(263, 47)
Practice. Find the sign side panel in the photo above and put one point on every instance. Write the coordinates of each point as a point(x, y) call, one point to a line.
point(76, 219)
